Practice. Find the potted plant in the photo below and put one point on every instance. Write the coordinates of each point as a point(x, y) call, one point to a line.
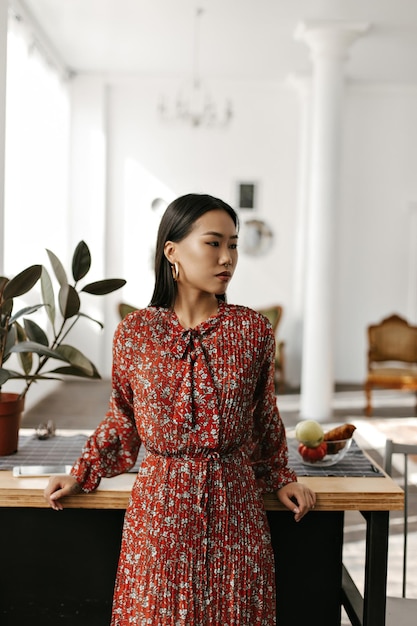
point(34, 346)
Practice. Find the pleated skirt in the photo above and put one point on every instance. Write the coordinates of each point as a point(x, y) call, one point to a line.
point(196, 548)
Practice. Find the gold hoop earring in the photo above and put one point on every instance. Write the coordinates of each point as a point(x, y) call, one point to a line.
point(175, 271)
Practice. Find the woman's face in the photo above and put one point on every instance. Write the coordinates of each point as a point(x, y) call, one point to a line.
point(207, 257)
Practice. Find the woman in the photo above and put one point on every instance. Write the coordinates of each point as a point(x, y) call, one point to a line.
point(193, 383)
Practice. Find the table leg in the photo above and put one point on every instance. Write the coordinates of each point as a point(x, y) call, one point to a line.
point(376, 561)
point(308, 564)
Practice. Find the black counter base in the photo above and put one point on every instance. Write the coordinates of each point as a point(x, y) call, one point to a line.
point(66, 613)
point(58, 568)
point(308, 564)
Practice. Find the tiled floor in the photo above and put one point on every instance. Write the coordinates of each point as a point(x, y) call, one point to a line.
point(81, 405)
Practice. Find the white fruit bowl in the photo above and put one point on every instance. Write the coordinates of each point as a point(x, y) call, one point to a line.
point(336, 451)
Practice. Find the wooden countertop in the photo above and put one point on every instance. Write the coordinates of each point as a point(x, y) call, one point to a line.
point(333, 493)
point(374, 493)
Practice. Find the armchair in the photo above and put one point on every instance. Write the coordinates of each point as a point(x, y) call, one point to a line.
point(392, 357)
point(274, 314)
point(124, 308)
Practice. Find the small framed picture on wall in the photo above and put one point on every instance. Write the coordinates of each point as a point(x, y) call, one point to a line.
point(246, 195)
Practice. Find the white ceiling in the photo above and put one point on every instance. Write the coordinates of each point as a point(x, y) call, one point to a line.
point(240, 39)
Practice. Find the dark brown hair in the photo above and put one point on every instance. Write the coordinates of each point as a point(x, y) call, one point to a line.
point(176, 224)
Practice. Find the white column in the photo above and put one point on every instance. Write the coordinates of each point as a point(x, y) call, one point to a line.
point(412, 264)
point(328, 43)
point(301, 84)
point(3, 76)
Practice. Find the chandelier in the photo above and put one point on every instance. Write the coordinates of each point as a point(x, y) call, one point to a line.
point(194, 105)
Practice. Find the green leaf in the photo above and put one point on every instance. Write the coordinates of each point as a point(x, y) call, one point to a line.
point(102, 287)
point(37, 348)
point(25, 311)
point(35, 333)
point(69, 301)
point(81, 261)
point(48, 295)
point(26, 362)
point(23, 282)
point(77, 359)
point(25, 358)
point(58, 268)
point(13, 375)
point(88, 317)
point(3, 282)
point(75, 371)
point(6, 357)
point(6, 307)
point(20, 333)
point(4, 376)
point(10, 341)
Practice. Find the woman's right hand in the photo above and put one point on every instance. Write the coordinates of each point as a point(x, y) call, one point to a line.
point(58, 487)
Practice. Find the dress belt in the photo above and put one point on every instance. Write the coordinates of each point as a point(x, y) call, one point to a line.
point(202, 473)
point(205, 456)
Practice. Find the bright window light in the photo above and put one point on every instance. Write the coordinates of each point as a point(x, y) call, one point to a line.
point(37, 151)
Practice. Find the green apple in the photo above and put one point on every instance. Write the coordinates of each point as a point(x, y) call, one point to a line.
point(310, 433)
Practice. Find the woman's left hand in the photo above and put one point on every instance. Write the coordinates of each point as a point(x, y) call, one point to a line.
point(297, 498)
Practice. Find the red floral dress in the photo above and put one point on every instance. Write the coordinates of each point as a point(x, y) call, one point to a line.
point(196, 548)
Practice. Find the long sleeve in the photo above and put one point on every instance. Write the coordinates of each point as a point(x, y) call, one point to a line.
point(114, 446)
point(269, 452)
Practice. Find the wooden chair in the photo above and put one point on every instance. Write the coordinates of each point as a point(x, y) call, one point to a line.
point(401, 611)
point(124, 308)
point(274, 314)
point(392, 357)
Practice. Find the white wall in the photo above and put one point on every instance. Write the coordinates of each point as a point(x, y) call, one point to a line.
point(88, 202)
point(146, 159)
point(377, 233)
point(150, 159)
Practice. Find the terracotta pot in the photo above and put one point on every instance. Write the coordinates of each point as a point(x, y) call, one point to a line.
point(11, 409)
